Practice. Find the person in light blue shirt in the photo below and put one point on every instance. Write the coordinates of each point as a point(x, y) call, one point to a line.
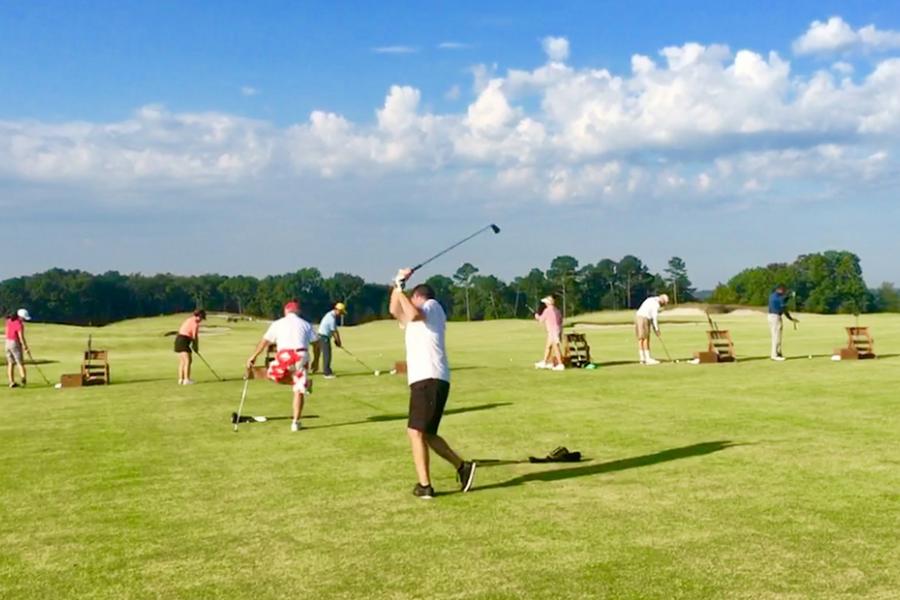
point(328, 328)
point(777, 309)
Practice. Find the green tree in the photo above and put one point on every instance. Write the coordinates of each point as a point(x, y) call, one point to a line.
point(463, 279)
point(563, 274)
point(678, 282)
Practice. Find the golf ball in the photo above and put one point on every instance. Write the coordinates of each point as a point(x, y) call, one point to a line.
point(810, 356)
point(377, 373)
point(58, 386)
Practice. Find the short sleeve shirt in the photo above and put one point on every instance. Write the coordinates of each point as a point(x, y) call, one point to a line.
point(290, 333)
point(328, 325)
point(13, 328)
point(426, 355)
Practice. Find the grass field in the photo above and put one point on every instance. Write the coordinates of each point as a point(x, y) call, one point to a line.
point(751, 480)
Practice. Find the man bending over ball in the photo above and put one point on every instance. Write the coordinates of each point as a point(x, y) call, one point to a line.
point(429, 381)
point(292, 337)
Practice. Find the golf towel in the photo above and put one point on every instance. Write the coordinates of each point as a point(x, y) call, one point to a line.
point(289, 366)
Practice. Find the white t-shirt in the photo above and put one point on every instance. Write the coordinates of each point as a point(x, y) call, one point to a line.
point(290, 333)
point(650, 310)
point(426, 356)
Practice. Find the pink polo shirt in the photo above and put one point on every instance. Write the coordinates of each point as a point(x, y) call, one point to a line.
point(13, 328)
point(552, 320)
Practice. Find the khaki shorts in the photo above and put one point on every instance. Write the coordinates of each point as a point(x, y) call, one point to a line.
point(13, 352)
point(642, 328)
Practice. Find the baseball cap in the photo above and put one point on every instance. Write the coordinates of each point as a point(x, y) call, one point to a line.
point(23, 314)
point(292, 306)
point(340, 307)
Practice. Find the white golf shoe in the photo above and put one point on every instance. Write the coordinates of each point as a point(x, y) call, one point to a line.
point(651, 361)
point(187, 382)
point(296, 426)
point(540, 365)
point(778, 358)
point(559, 367)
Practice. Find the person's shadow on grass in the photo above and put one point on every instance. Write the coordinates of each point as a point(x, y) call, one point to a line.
point(616, 465)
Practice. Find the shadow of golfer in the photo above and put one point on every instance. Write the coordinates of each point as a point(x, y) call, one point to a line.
point(616, 465)
point(405, 416)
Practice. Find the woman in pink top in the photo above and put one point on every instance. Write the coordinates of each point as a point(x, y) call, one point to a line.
point(552, 320)
point(16, 346)
point(188, 337)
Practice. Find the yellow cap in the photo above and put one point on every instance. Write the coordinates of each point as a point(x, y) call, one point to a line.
point(340, 307)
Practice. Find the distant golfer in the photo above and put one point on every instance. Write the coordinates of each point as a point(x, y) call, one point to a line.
point(292, 337)
point(647, 317)
point(429, 381)
point(16, 346)
point(328, 329)
point(188, 337)
point(551, 318)
point(777, 309)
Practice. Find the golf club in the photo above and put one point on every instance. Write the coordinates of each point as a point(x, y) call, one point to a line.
point(34, 364)
point(243, 397)
point(666, 350)
point(357, 359)
point(492, 227)
point(208, 365)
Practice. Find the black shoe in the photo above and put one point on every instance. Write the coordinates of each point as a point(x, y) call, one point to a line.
point(466, 474)
point(426, 492)
point(13, 385)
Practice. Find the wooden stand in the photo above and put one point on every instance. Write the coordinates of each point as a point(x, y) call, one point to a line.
point(400, 367)
point(71, 380)
point(260, 372)
point(860, 345)
point(576, 351)
point(720, 348)
point(95, 367)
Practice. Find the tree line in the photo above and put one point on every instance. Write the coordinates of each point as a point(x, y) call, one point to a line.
point(828, 282)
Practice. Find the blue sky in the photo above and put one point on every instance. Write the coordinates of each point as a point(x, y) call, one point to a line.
point(258, 138)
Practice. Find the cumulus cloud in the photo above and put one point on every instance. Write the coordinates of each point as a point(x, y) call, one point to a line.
point(706, 121)
point(556, 48)
point(836, 36)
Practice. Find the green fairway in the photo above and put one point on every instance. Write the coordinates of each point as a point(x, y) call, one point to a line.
point(747, 480)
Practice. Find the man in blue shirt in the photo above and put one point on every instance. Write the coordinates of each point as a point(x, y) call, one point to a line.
point(777, 309)
point(328, 328)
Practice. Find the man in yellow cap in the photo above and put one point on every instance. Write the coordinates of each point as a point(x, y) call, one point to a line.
point(328, 328)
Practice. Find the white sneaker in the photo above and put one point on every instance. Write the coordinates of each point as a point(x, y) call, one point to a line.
point(540, 365)
point(651, 361)
point(187, 382)
point(296, 426)
point(559, 367)
point(778, 358)
point(329, 376)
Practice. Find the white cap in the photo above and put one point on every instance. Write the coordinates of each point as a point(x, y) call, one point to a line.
point(23, 314)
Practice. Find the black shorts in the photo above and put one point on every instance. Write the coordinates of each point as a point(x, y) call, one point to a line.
point(427, 399)
point(183, 343)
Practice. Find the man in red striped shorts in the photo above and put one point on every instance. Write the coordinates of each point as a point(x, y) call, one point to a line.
point(292, 337)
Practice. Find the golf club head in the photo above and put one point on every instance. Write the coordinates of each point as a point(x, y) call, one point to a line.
point(494, 228)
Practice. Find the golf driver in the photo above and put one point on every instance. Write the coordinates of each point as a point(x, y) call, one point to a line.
point(357, 359)
point(35, 365)
point(208, 365)
point(243, 397)
point(492, 227)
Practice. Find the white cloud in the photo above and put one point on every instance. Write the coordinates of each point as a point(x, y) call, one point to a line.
point(249, 91)
point(453, 46)
point(395, 50)
point(556, 48)
point(837, 36)
point(701, 120)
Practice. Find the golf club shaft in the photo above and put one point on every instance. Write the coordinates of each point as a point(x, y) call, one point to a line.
point(34, 364)
point(243, 397)
point(459, 243)
point(356, 358)
point(665, 349)
point(205, 362)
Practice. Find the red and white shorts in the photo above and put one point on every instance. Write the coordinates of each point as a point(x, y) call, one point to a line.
point(289, 367)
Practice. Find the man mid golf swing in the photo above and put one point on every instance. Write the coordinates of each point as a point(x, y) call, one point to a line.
point(429, 381)
point(777, 309)
point(292, 337)
point(646, 317)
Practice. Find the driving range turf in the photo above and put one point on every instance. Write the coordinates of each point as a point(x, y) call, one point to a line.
point(749, 480)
